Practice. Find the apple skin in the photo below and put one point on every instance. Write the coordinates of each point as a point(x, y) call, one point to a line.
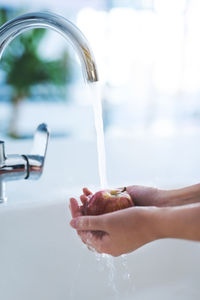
point(107, 201)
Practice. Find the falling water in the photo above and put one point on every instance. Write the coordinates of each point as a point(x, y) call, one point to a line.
point(119, 276)
point(106, 262)
point(97, 104)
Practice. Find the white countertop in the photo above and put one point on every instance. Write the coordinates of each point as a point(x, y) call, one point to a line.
point(72, 164)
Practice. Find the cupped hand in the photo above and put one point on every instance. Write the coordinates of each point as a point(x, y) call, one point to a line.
point(125, 230)
point(146, 196)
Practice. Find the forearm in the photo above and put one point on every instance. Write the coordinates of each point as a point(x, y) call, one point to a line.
point(183, 196)
point(181, 222)
point(147, 196)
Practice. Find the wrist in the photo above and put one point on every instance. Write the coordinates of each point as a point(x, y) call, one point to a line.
point(180, 222)
point(160, 222)
point(152, 219)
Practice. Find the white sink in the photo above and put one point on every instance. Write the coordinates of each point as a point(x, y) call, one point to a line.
point(41, 257)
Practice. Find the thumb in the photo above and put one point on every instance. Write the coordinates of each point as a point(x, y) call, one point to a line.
point(88, 223)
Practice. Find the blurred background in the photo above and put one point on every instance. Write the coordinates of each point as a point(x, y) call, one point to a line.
point(147, 53)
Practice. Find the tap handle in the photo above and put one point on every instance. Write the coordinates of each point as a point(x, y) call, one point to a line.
point(36, 159)
point(40, 141)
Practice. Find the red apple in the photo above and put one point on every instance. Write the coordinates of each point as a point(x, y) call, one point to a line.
point(107, 201)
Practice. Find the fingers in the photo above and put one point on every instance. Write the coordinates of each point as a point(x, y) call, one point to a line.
point(89, 223)
point(87, 192)
point(75, 209)
point(83, 198)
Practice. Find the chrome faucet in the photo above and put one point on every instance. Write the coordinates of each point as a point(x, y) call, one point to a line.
point(30, 166)
point(69, 31)
point(15, 167)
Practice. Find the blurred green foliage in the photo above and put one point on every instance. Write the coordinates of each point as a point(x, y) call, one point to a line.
point(23, 66)
point(25, 70)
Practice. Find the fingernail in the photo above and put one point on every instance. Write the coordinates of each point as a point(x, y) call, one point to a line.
point(73, 223)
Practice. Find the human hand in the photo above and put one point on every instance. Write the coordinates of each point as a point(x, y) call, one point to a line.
point(124, 230)
point(149, 196)
point(141, 196)
point(131, 228)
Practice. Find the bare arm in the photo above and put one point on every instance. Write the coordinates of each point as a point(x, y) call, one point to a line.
point(181, 222)
point(148, 196)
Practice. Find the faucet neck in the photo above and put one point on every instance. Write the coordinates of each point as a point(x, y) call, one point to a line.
point(25, 22)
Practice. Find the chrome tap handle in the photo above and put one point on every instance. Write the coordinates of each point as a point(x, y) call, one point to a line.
point(35, 160)
point(17, 167)
point(40, 141)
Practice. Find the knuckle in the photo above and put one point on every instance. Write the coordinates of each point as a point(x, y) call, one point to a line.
point(85, 222)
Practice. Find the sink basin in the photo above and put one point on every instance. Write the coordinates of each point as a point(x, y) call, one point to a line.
point(42, 258)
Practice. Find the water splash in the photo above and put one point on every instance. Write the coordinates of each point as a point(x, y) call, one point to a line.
point(119, 276)
point(127, 276)
point(106, 264)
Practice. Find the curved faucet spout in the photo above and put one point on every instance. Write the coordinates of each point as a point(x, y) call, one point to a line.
point(15, 167)
point(18, 25)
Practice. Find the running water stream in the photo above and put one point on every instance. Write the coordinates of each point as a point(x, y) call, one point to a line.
point(106, 262)
point(95, 89)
